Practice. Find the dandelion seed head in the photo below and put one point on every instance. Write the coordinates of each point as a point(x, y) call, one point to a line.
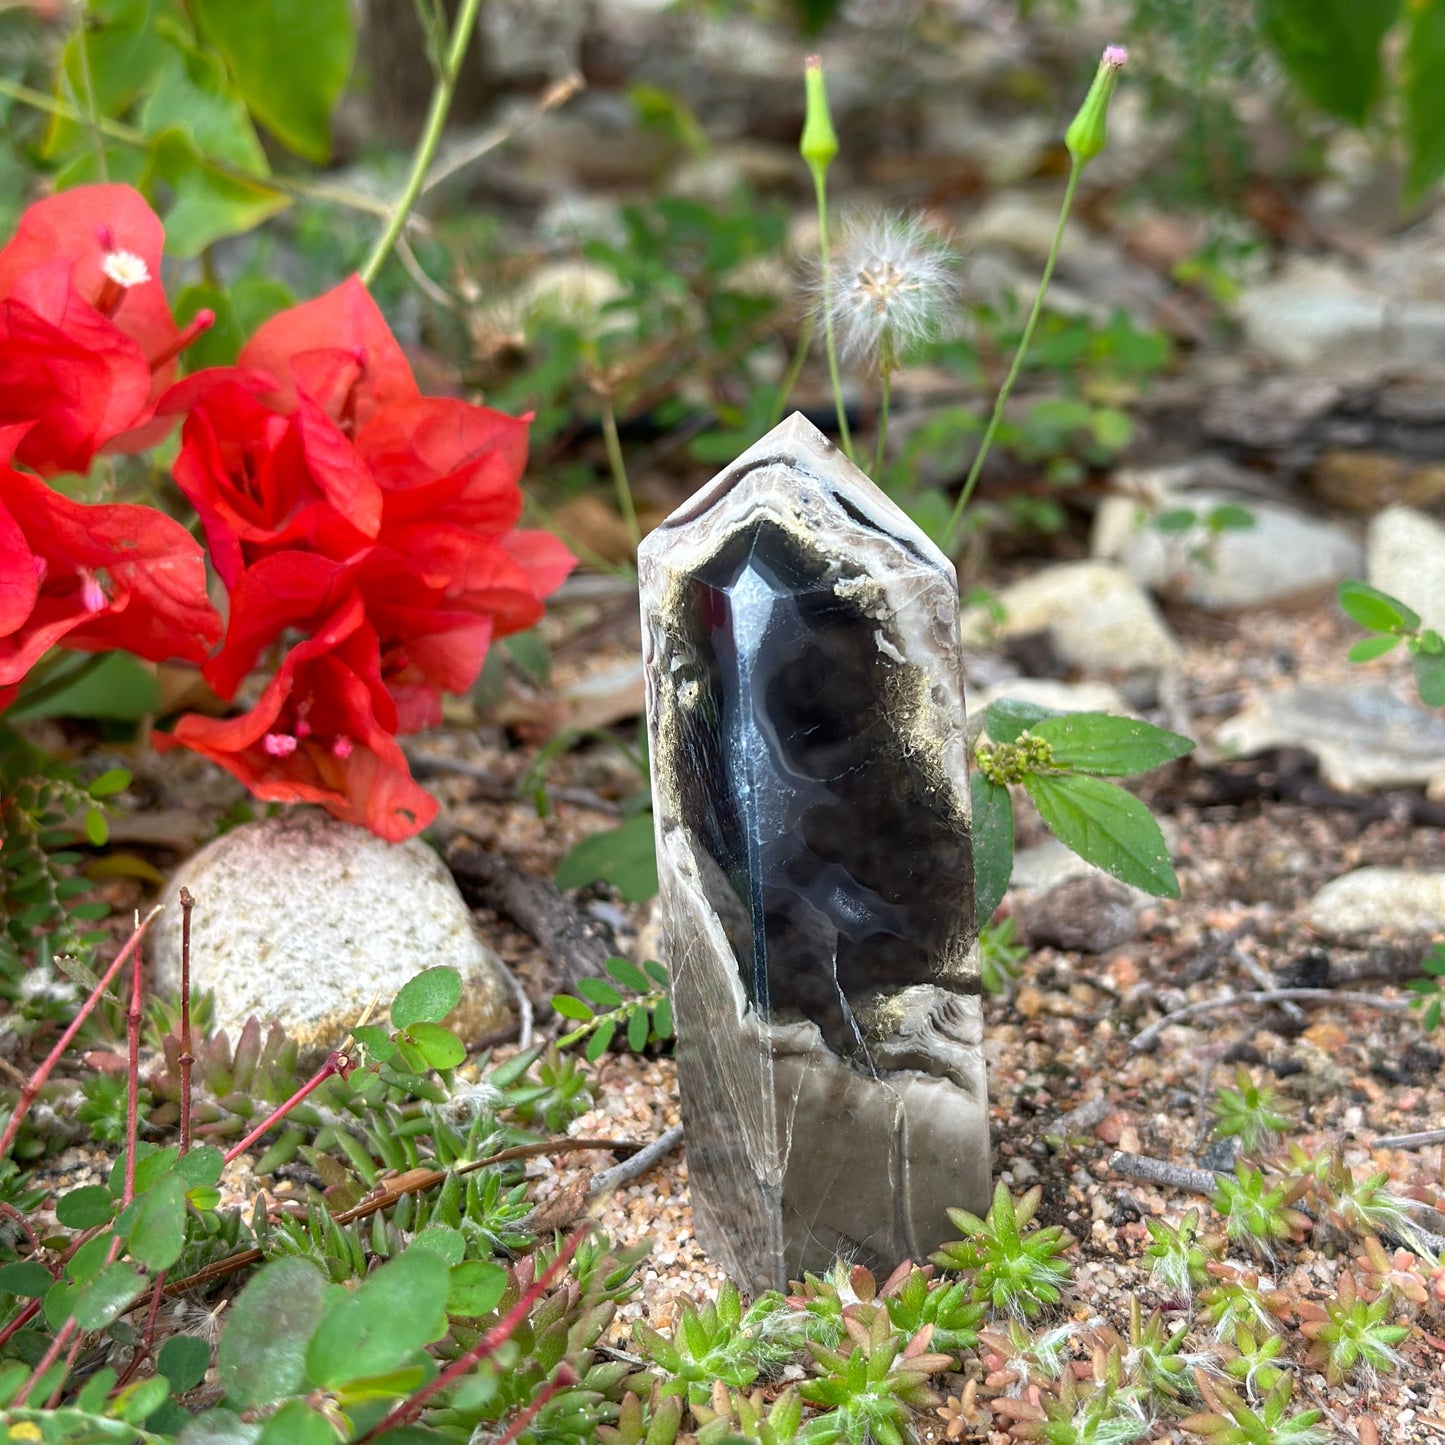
point(892, 283)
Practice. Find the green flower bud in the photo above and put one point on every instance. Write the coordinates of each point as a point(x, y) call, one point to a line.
point(820, 142)
point(1086, 136)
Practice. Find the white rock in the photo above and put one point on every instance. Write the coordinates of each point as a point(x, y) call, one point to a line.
point(1317, 316)
point(1366, 736)
point(1285, 555)
point(1380, 900)
point(1051, 693)
point(1097, 616)
point(307, 920)
point(1407, 560)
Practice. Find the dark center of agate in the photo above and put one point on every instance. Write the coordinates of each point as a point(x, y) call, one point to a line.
point(836, 873)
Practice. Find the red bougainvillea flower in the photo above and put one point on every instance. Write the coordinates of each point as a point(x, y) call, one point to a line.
point(87, 340)
point(321, 733)
point(95, 578)
point(264, 482)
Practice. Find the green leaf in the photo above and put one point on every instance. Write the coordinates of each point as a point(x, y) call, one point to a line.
point(85, 1207)
point(427, 998)
point(599, 992)
point(1430, 677)
point(639, 1025)
point(1107, 827)
point(219, 1427)
point(1375, 609)
point(109, 783)
point(195, 98)
point(1005, 719)
point(375, 1040)
point(380, 1325)
point(184, 1360)
point(993, 844)
point(209, 204)
point(291, 66)
point(97, 830)
point(628, 974)
point(475, 1288)
point(1176, 519)
point(154, 1224)
point(25, 1278)
point(441, 1047)
point(101, 1301)
point(1108, 746)
point(597, 1044)
point(662, 1018)
point(1230, 517)
point(656, 971)
point(296, 1423)
point(624, 856)
point(1423, 97)
point(571, 1008)
point(1367, 649)
point(117, 687)
point(1331, 49)
point(202, 1165)
point(262, 1353)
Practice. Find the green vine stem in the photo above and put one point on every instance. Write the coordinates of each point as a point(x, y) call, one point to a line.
point(1075, 169)
point(441, 103)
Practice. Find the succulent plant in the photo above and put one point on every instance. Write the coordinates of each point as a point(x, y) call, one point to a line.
point(1250, 1112)
point(1351, 1333)
point(1015, 1269)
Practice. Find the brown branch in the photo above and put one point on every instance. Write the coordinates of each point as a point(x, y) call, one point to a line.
point(389, 1191)
point(1230, 999)
point(1411, 1141)
point(1160, 1171)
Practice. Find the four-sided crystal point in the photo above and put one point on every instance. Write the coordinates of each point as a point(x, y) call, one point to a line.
point(806, 719)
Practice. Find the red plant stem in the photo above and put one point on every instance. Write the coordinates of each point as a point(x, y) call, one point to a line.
point(20, 1320)
point(337, 1062)
point(565, 1377)
point(59, 1390)
point(498, 1335)
point(24, 1224)
point(37, 1079)
point(132, 1093)
point(187, 1057)
point(144, 1350)
point(46, 1360)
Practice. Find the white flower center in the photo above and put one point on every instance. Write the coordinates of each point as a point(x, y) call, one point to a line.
point(125, 268)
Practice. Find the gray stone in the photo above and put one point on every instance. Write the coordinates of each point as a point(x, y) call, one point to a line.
point(1317, 316)
point(1088, 914)
point(1285, 556)
point(1407, 560)
point(1365, 736)
point(307, 920)
point(1098, 617)
point(1380, 900)
point(805, 712)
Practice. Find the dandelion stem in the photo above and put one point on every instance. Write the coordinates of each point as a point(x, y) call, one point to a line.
point(885, 400)
point(795, 368)
point(830, 343)
point(617, 464)
point(1075, 169)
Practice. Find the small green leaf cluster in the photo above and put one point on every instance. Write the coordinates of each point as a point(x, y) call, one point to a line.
point(1257, 1210)
point(1351, 1332)
point(41, 894)
point(1062, 760)
point(1232, 1421)
point(999, 956)
point(1014, 1269)
point(1199, 533)
point(1180, 1257)
point(602, 1011)
point(1393, 622)
point(1249, 1112)
point(1429, 988)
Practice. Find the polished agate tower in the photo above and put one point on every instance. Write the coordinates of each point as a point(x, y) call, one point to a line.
point(805, 709)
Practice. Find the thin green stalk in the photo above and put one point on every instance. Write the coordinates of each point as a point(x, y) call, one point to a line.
point(885, 400)
point(618, 466)
point(441, 103)
point(795, 369)
point(820, 188)
point(92, 111)
point(1075, 169)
